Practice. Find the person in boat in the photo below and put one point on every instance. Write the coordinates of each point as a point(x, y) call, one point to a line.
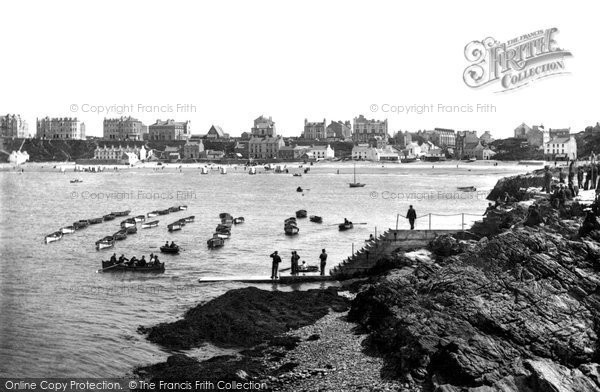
point(151, 261)
point(142, 262)
point(346, 221)
point(411, 215)
point(132, 262)
point(275, 265)
point(173, 245)
point(113, 259)
point(323, 259)
point(122, 259)
point(302, 266)
point(167, 244)
point(156, 261)
point(299, 189)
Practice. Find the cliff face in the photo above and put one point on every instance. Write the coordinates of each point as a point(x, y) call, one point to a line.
point(516, 311)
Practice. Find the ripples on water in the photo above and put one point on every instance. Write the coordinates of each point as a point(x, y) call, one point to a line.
point(58, 317)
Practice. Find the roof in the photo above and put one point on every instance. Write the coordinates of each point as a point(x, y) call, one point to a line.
point(218, 130)
point(168, 122)
point(559, 140)
point(470, 146)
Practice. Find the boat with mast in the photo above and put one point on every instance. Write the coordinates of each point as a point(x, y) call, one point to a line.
point(356, 184)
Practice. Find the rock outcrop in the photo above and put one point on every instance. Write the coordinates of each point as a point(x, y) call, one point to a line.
point(516, 311)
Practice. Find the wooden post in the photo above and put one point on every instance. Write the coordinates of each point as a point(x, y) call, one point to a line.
point(430, 221)
point(353, 249)
point(375, 232)
point(397, 218)
point(463, 222)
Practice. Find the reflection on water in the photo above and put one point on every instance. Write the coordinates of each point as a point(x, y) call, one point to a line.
point(62, 318)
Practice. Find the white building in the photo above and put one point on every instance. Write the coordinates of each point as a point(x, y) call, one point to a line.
point(121, 153)
point(561, 148)
point(18, 157)
point(364, 152)
point(388, 153)
point(414, 150)
point(322, 152)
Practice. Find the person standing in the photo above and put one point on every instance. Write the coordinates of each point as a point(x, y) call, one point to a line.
point(579, 177)
point(547, 179)
point(561, 176)
point(323, 258)
point(411, 215)
point(275, 265)
point(295, 258)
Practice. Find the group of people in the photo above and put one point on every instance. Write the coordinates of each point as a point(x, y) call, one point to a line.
point(134, 261)
point(172, 245)
point(295, 267)
point(591, 174)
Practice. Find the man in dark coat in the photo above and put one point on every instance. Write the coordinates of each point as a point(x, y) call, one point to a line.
point(547, 179)
point(411, 215)
point(323, 258)
point(275, 266)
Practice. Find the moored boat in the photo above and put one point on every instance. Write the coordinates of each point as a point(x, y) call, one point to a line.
point(109, 217)
point(121, 213)
point(152, 214)
point(95, 221)
point(148, 225)
point(238, 220)
point(120, 235)
point(174, 226)
point(215, 242)
point(467, 188)
point(164, 212)
point(301, 214)
point(182, 208)
point(225, 215)
point(131, 230)
point(81, 224)
point(168, 249)
point(76, 181)
point(224, 235)
point(223, 228)
point(67, 230)
point(106, 242)
point(128, 223)
point(316, 219)
point(189, 219)
point(107, 266)
point(291, 229)
point(57, 235)
point(140, 218)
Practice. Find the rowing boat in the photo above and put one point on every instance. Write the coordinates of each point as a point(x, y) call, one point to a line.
point(107, 266)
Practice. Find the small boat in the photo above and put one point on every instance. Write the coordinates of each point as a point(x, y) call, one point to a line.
point(168, 249)
point(297, 175)
point(148, 225)
point(57, 235)
point(299, 189)
point(81, 224)
point(204, 170)
point(223, 235)
point(471, 160)
point(290, 220)
point(316, 219)
point(408, 160)
point(291, 229)
point(223, 228)
point(67, 230)
point(467, 188)
point(308, 268)
point(174, 226)
point(356, 184)
point(182, 208)
point(225, 215)
point(238, 220)
point(107, 266)
point(120, 235)
point(174, 209)
point(128, 223)
point(301, 214)
point(109, 217)
point(140, 218)
point(189, 219)
point(531, 163)
point(121, 213)
point(131, 230)
point(252, 170)
point(106, 242)
point(215, 242)
point(76, 181)
point(345, 226)
point(164, 212)
point(152, 214)
point(95, 221)
point(223, 170)
point(182, 222)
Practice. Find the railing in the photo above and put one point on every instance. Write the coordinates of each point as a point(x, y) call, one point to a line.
point(429, 217)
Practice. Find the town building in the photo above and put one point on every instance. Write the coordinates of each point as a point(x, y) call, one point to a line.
point(561, 148)
point(124, 128)
point(478, 151)
point(315, 130)
point(120, 155)
point(170, 130)
point(522, 131)
point(214, 155)
point(322, 152)
point(413, 150)
point(171, 154)
point(241, 149)
point(402, 139)
point(245, 135)
point(364, 130)
point(216, 133)
point(13, 126)
point(193, 149)
point(486, 138)
point(264, 127)
point(60, 128)
point(389, 154)
point(443, 137)
point(364, 152)
point(464, 139)
point(537, 136)
point(339, 130)
point(291, 153)
point(265, 147)
point(561, 132)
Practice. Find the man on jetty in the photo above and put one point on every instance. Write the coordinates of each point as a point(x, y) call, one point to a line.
point(323, 258)
point(275, 266)
point(411, 215)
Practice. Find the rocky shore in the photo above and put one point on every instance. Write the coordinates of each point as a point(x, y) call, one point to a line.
point(515, 306)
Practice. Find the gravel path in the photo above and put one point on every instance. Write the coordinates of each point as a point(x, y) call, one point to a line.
point(330, 358)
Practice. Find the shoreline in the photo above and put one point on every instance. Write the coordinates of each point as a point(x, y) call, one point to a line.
point(289, 368)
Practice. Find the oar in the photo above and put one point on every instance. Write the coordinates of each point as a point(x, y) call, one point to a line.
point(112, 266)
point(285, 269)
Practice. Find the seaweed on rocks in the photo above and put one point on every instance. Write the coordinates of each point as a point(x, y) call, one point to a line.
point(245, 317)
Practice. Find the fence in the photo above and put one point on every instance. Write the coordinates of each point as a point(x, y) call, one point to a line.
point(443, 221)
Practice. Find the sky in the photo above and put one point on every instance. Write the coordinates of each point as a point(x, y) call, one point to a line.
point(236, 60)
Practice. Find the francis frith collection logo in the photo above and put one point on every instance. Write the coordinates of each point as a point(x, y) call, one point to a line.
point(514, 63)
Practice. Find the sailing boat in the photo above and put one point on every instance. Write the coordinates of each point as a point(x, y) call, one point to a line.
point(356, 184)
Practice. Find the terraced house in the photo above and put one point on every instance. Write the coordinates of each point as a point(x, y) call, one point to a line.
point(315, 130)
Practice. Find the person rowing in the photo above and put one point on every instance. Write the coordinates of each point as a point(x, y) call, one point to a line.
point(173, 245)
